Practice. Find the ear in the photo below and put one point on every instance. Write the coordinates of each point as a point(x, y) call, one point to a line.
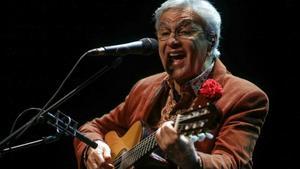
point(211, 38)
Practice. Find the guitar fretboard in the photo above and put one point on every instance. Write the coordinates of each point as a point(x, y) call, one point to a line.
point(137, 152)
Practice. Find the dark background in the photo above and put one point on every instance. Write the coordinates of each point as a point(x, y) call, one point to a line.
point(41, 41)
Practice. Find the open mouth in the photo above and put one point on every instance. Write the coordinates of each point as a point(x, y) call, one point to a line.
point(175, 55)
point(176, 59)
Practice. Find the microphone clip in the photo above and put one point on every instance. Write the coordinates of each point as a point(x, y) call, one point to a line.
point(67, 126)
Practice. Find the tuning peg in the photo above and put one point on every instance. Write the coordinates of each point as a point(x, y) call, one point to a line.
point(209, 135)
point(198, 137)
point(193, 138)
point(201, 137)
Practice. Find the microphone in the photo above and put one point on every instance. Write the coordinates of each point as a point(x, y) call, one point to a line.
point(145, 46)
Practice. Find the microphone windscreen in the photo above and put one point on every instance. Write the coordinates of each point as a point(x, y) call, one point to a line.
point(150, 46)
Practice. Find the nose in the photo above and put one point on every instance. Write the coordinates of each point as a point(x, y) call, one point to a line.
point(172, 41)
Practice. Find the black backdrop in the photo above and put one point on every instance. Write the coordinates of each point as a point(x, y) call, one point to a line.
point(42, 40)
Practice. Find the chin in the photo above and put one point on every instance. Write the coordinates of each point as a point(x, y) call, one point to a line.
point(178, 78)
point(177, 74)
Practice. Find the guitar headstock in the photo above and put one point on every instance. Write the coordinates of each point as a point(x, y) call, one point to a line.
point(196, 121)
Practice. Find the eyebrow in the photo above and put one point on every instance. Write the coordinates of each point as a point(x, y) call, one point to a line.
point(183, 22)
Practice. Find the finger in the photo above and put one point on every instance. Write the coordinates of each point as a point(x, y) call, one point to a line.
point(106, 153)
point(95, 166)
point(168, 124)
point(166, 135)
point(169, 132)
point(90, 164)
point(167, 127)
point(107, 166)
point(159, 140)
point(98, 156)
point(107, 156)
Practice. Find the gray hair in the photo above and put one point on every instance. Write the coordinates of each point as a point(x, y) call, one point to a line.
point(201, 7)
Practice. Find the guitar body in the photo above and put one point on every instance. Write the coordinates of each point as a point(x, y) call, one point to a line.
point(122, 144)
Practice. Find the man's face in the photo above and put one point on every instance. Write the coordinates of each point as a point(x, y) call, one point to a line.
point(182, 44)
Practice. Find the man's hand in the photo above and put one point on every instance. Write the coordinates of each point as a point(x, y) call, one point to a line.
point(100, 157)
point(178, 148)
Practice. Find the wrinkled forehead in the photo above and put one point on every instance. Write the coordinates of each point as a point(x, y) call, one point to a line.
point(179, 16)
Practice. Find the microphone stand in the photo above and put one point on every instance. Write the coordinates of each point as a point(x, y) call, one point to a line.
point(44, 140)
point(59, 123)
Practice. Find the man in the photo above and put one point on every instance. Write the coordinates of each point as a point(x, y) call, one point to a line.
point(188, 33)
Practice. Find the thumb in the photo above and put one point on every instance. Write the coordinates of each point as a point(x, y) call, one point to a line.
point(105, 149)
point(106, 152)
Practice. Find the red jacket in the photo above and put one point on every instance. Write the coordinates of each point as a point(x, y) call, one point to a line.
point(243, 107)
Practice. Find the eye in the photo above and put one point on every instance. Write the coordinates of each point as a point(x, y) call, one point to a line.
point(185, 33)
point(164, 33)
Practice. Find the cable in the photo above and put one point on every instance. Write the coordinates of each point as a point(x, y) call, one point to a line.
point(53, 96)
point(19, 116)
point(23, 128)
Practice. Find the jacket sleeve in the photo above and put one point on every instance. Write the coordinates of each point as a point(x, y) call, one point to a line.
point(238, 134)
point(136, 106)
point(117, 120)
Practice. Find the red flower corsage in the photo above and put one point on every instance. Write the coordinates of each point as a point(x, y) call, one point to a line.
point(211, 89)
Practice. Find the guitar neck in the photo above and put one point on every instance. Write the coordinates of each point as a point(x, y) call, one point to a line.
point(146, 146)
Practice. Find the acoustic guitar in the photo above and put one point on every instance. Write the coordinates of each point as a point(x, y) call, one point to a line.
point(130, 148)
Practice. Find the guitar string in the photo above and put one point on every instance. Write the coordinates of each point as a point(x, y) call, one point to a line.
point(140, 148)
point(144, 147)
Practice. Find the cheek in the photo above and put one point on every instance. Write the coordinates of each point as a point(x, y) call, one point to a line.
point(200, 45)
point(200, 49)
point(161, 55)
